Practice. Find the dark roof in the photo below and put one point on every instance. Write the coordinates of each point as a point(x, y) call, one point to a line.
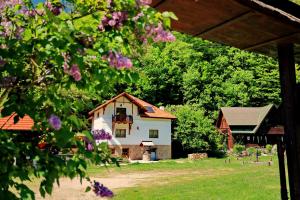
point(246, 116)
point(154, 112)
point(256, 25)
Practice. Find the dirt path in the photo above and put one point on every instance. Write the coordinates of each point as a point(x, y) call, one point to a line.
point(73, 190)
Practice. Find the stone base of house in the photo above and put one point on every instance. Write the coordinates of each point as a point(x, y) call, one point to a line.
point(135, 152)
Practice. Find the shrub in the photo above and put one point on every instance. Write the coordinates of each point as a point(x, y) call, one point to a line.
point(238, 149)
point(269, 148)
point(251, 151)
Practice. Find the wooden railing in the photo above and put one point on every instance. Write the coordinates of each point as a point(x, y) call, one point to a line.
point(125, 119)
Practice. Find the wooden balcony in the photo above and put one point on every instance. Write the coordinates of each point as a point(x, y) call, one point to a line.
point(122, 119)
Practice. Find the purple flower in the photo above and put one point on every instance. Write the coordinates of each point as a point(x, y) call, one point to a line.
point(159, 34)
point(139, 15)
point(101, 190)
point(144, 2)
point(117, 60)
point(9, 3)
point(54, 122)
point(54, 8)
point(101, 135)
point(89, 146)
point(116, 20)
point(75, 72)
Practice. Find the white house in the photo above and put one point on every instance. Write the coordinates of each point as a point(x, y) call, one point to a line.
point(135, 126)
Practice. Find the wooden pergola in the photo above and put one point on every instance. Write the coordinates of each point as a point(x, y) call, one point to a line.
point(270, 27)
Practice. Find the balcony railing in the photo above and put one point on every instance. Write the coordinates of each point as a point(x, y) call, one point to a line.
point(125, 119)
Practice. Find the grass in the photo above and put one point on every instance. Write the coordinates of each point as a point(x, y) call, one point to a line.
point(209, 179)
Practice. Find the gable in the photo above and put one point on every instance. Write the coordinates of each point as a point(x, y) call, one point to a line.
point(145, 109)
point(245, 119)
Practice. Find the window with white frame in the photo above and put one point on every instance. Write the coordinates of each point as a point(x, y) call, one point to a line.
point(120, 133)
point(153, 133)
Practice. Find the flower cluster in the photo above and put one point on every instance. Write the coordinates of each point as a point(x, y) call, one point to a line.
point(101, 190)
point(143, 2)
point(54, 8)
point(159, 34)
point(101, 135)
point(9, 4)
point(54, 122)
point(117, 60)
point(8, 29)
point(97, 135)
point(116, 20)
point(74, 71)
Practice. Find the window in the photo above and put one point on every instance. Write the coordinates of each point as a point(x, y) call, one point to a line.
point(120, 133)
point(153, 133)
point(125, 153)
point(121, 111)
point(149, 109)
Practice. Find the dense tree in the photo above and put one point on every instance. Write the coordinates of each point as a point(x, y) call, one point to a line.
point(194, 130)
point(192, 70)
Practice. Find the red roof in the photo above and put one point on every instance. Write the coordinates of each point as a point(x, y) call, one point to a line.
point(157, 113)
point(24, 124)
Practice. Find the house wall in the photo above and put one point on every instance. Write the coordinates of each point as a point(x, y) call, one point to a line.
point(224, 126)
point(139, 130)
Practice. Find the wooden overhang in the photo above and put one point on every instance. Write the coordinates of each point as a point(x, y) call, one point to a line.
point(255, 25)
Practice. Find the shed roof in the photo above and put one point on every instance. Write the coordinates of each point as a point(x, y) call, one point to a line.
point(157, 113)
point(24, 124)
point(246, 116)
point(256, 25)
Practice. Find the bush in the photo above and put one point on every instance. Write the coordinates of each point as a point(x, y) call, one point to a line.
point(238, 149)
point(269, 148)
point(251, 151)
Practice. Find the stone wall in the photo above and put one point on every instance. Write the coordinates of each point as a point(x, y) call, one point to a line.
point(196, 156)
point(136, 152)
point(163, 152)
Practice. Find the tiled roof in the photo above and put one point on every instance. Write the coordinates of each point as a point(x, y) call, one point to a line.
point(158, 113)
point(24, 124)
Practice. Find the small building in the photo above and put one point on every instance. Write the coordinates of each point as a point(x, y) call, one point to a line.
point(249, 125)
point(137, 127)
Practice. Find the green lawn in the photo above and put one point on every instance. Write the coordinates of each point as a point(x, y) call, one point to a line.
point(203, 179)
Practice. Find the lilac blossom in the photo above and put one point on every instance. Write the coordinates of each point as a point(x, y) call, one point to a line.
point(9, 4)
point(54, 122)
point(116, 20)
point(75, 72)
point(159, 34)
point(139, 15)
point(101, 135)
point(117, 60)
point(88, 144)
point(143, 2)
point(54, 8)
point(101, 190)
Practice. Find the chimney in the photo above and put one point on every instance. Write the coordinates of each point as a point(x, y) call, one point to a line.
point(162, 107)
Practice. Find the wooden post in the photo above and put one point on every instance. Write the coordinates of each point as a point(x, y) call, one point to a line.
point(280, 154)
point(288, 89)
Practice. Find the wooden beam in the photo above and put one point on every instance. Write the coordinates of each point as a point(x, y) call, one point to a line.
point(280, 154)
point(225, 23)
point(158, 4)
point(273, 40)
point(288, 88)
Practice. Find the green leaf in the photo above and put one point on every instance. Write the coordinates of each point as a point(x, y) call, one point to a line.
point(88, 188)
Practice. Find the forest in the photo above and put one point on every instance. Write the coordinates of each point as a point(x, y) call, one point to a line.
point(194, 78)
